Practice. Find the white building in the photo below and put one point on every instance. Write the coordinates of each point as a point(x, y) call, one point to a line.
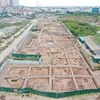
point(4, 3)
point(14, 2)
point(9, 3)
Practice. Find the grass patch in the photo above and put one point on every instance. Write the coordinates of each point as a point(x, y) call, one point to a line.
point(23, 23)
point(79, 28)
point(97, 38)
point(26, 57)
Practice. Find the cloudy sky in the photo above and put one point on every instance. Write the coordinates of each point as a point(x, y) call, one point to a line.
point(60, 2)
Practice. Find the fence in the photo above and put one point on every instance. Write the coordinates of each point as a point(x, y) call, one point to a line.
point(50, 94)
point(3, 65)
point(5, 89)
point(19, 46)
point(24, 62)
point(59, 94)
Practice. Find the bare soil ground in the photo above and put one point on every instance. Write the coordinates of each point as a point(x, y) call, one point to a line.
point(8, 96)
point(63, 68)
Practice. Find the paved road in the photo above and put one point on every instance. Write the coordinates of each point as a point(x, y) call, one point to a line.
point(8, 50)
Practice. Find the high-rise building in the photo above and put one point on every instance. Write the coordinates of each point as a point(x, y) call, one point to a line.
point(14, 2)
point(4, 3)
point(9, 3)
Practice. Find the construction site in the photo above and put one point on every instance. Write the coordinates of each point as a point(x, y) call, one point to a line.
point(62, 68)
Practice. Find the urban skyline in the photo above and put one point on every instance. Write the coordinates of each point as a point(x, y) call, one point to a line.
point(59, 3)
point(9, 2)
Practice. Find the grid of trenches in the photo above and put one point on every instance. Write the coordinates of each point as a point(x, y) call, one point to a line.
point(48, 78)
point(62, 67)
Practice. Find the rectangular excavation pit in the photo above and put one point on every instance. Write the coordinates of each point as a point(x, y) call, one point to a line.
point(63, 35)
point(49, 39)
point(70, 48)
point(58, 41)
point(13, 82)
point(85, 83)
point(40, 71)
point(58, 48)
point(61, 71)
point(46, 33)
point(54, 31)
point(43, 49)
point(72, 54)
point(96, 75)
point(56, 37)
point(43, 45)
point(55, 34)
point(69, 42)
point(80, 71)
point(28, 50)
point(44, 37)
point(32, 82)
point(50, 48)
point(76, 61)
point(63, 84)
point(45, 58)
point(27, 41)
point(42, 41)
point(34, 44)
point(59, 61)
point(28, 46)
point(20, 72)
point(58, 55)
point(65, 41)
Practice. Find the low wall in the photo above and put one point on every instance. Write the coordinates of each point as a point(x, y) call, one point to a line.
point(19, 46)
point(21, 43)
point(3, 65)
point(19, 62)
point(66, 29)
point(23, 62)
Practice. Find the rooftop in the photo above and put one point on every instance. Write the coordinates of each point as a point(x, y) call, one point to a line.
point(94, 47)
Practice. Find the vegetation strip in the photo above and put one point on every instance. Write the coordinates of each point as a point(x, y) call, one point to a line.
point(80, 29)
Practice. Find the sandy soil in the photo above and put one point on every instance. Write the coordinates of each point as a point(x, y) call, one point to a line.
point(8, 96)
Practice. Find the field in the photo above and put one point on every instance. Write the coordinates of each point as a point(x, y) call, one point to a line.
point(82, 17)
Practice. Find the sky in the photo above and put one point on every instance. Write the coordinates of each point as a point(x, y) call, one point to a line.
point(60, 2)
